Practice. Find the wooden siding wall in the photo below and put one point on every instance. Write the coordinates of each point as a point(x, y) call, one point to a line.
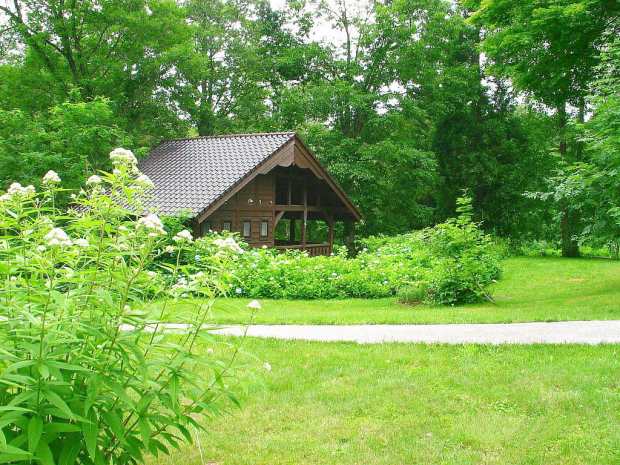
point(261, 190)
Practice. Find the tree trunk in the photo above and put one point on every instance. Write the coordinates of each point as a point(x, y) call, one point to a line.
point(570, 247)
point(570, 218)
point(349, 238)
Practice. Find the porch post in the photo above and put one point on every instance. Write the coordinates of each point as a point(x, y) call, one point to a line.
point(304, 218)
point(330, 223)
point(330, 235)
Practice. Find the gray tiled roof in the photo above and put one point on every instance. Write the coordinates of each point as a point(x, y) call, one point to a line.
point(191, 174)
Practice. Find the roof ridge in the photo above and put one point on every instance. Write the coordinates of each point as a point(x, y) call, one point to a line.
point(222, 136)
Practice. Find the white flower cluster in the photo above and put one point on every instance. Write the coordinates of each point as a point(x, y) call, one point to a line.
point(197, 276)
point(16, 191)
point(145, 181)
point(82, 243)
point(255, 304)
point(198, 279)
point(94, 179)
point(183, 236)
point(229, 242)
point(180, 288)
point(152, 223)
point(51, 177)
point(57, 237)
point(121, 156)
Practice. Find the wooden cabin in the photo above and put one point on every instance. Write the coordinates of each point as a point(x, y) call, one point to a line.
point(270, 188)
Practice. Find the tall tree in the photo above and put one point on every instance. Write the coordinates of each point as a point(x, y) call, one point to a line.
point(548, 49)
point(354, 117)
point(218, 73)
point(593, 186)
point(120, 49)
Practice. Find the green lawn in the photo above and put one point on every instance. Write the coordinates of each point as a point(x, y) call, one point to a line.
point(531, 289)
point(344, 403)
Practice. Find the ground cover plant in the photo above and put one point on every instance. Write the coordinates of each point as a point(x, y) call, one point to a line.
point(85, 374)
point(450, 263)
point(327, 403)
point(531, 289)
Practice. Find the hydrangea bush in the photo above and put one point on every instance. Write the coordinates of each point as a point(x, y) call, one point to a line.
point(452, 262)
point(86, 373)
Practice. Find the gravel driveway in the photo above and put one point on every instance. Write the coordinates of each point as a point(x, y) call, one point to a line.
point(571, 332)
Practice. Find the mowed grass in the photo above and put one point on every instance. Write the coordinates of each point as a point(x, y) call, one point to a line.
point(344, 403)
point(531, 289)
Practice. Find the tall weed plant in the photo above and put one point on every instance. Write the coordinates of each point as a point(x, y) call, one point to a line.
point(87, 373)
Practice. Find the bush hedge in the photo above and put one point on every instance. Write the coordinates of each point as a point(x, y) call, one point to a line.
point(453, 262)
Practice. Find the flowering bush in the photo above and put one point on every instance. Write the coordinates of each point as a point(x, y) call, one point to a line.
point(86, 373)
point(450, 263)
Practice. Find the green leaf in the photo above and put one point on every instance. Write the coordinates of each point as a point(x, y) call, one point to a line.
point(115, 422)
point(43, 369)
point(94, 385)
point(12, 457)
point(120, 392)
point(90, 430)
point(185, 433)
point(174, 389)
point(16, 366)
point(57, 402)
point(145, 431)
point(69, 452)
point(35, 429)
point(44, 454)
point(58, 427)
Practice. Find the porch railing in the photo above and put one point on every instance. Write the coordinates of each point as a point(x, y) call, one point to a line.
point(313, 249)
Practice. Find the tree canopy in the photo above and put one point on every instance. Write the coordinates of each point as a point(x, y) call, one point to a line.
point(407, 102)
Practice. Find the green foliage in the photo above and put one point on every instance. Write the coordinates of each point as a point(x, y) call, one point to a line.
point(466, 261)
point(530, 289)
point(527, 42)
point(73, 139)
point(414, 293)
point(455, 259)
point(86, 373)
point(120, 49)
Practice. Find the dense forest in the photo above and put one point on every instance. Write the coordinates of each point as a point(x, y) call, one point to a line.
point(407, 102)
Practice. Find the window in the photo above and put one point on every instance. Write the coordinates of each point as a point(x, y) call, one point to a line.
point(247, 229)
point(206, 227)
point(264, 228)
point(227, 225)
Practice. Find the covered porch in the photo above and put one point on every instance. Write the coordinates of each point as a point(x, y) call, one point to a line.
point(304, 232)
point(305, 212)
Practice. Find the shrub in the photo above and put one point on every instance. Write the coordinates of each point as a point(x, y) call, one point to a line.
point(414, 293)
point(465, 261)
point(86, 374)
point(455, 260)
